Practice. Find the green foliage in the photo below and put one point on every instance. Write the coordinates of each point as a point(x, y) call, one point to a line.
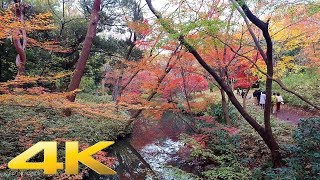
point(307, 135)
point(87, 84)
point(93, 98)
point(306, 160)
point(306, 83)
point(63, 83)
point(177, 173)
point(7, 61)
point(41, 63)
point(216, 111)
point(221, 152)
point(38, 5)
point(236, 171)
point(302, 157)
point(313, 8)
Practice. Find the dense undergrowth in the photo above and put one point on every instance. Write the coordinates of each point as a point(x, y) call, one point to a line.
point(222, 153)
point(306, 83)
point(218, 152)
point(302, 157)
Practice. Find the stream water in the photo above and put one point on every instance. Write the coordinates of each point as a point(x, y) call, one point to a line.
point(150, 152)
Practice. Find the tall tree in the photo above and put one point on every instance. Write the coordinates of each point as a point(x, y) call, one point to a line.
point(264, 132)
point(24, 29)
point(20, 38)
point(85, 52)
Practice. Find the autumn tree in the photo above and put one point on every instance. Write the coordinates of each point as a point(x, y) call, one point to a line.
point(264, 132)
point(296, 35)
point(149, 80)
point(19, 42)
point(136, 17)
point(91, 33)
point(22, 30)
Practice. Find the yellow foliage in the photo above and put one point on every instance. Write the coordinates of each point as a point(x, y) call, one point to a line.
point(22, 80)
point(9, 22)
point(39, 97)
point(296, 40)
point(39, 22)
point(286, 63)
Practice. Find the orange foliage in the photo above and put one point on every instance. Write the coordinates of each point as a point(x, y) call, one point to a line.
point(141, 27)
point(39, 22)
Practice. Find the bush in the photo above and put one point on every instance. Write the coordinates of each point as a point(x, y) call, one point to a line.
point(216, 152)
point(87, 85)
point(302, 158)
point(306, 160)
point(305, 83)
point(216, 111)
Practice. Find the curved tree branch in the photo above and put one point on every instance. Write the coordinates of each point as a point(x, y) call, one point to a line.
point(278, 81)
point(265, 133)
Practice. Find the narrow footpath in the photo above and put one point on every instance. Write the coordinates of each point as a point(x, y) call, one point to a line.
point(287, 113)
point(294, 114)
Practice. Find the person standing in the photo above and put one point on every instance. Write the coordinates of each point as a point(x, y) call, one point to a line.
point(238, 91)
point(243, 93)
point(273, 102)
point(257, 94)
point(279, 101)
point(262, 99)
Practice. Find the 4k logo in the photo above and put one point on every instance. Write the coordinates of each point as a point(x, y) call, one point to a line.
point(72, 158)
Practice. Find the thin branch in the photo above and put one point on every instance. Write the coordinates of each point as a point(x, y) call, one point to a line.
point(278, 81)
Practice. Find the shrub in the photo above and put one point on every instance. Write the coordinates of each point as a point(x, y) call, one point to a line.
point(305, 83)
point(87, 85)
point(216, 111)
point(302, 158)
point(217, 152)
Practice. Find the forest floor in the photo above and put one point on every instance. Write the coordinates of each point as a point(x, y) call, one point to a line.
point(293, 114)
point(21, 127)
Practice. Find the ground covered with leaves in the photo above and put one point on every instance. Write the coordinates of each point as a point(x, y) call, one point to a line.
point(21, 127)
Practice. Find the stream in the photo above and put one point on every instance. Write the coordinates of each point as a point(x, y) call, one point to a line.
point(150, 152)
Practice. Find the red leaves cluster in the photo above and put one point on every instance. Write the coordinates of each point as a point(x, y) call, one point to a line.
point(141, 27)
point(217, 126)
point(101, 156)
point(193, 83)
point(243, 76)
point(201, 139)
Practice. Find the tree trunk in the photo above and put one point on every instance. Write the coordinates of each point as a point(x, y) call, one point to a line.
point(265, 133)
point(20, 46)
point(225, 107)
point(264, 27)
point(185, 88)
point(85, 52)
point(244, 100)
point(1, 50)
point(116, 89)
point(103, 87)
point(224, 103)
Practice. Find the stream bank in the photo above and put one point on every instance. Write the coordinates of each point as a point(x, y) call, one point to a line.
point(151, 151)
